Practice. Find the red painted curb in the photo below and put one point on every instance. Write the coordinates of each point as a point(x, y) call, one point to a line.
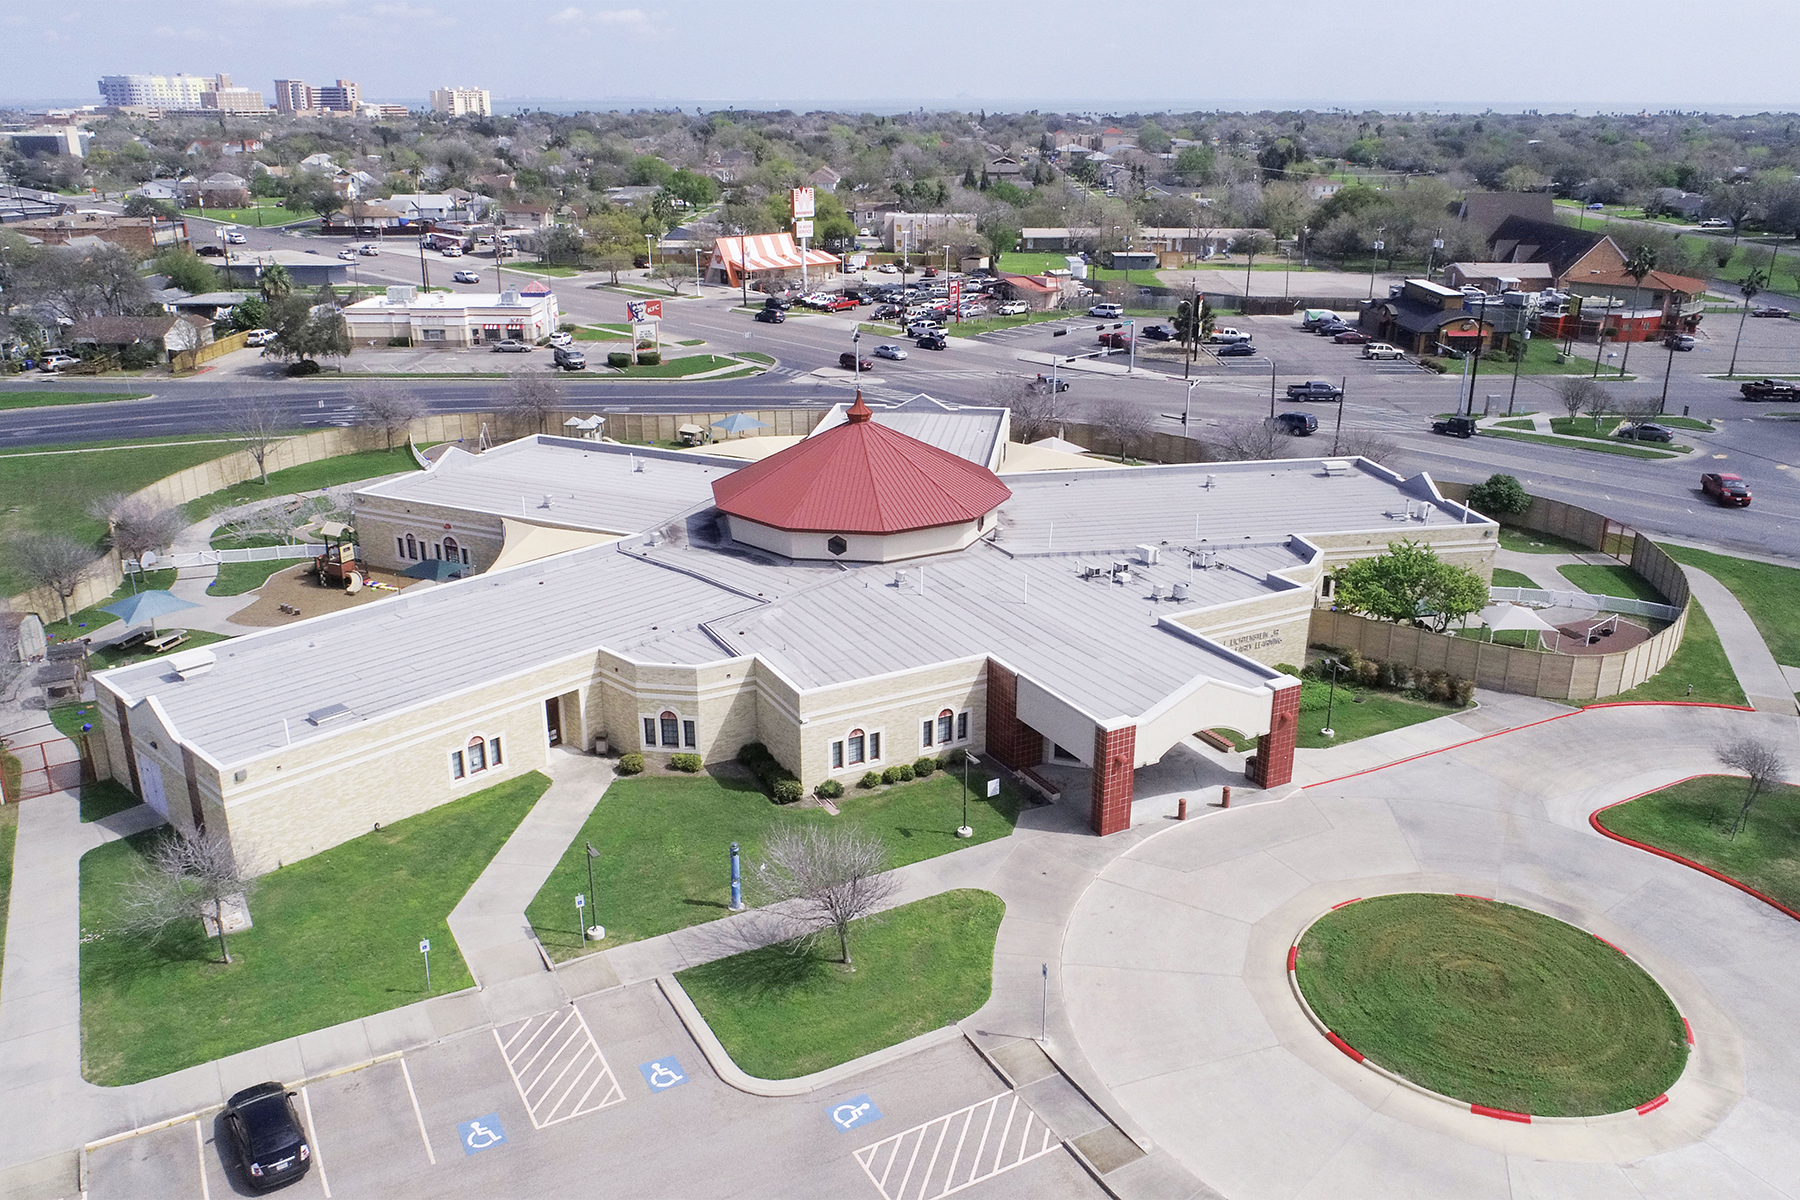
point(1468, 896)
point(1598, 938)
point(1293, 956)
point(1341, 1044)
point(1689, 1029)
point(1500, 1114)
point(1650, 1106)
point(1345, 903)
point(1532, 724)
point(1594, 820)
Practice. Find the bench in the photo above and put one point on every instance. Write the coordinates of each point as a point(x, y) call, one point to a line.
point(167, 641)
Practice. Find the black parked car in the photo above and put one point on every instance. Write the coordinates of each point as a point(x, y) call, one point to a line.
point(771, 316)
point(1159, 333)
point(1297, 423)
point(781, 302)
point(267, 1136)
point(1236, 350)
point(933, 341)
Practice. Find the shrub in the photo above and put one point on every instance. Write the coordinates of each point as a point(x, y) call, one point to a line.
point(137, 356)
point(566, 327)
point(831, 789)
point(618, 358)
point(649, 358)
point(1392, 675)
point(924, 766)
point(400, 342)
point(631, 764)
point(899, 774)
point(1499, 496)
point(1463, 691)
point(767, 769)
point(305, 366)
point(1432, 364)
point(1437, 685)
point(955, 758)
point(685, 762)
point(1288, 669)
point(869, 779)
point(1368, 672)
point(788, 790)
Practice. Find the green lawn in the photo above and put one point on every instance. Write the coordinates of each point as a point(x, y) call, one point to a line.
point(1601, 447)
point(602, 333)
point(307, 477)
point(1541, 356)
point(1357, 713)
point(51, 490)
point(1694, 818)
point(1611, 581)
point(84, 622)
point(919, 967)
point(980, 325)
point(272, 213)
point(1585, 427)
point(69, 718)
point(1492, 1004)
point(677, 368)
point(103, 799)
point(1506, 578)
point(237, 578)
point(45, 399)
point(1530, 541)
point(665, 846)
point(9, 830)
point(559, 272)
point(1770, 594)
point(336, 938)
point(107, 657)
point(1699, 663)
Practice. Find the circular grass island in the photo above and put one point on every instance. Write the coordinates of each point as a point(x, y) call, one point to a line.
point(1492, 1004)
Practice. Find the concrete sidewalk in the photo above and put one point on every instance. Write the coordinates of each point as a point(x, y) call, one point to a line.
point(1757, 672)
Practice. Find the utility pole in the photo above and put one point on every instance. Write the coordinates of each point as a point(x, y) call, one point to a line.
point(1343, 386)
point(1271, 389)
point(1523, 348)
point(1663, 400)
point(1600, 334)
point(1475, 364)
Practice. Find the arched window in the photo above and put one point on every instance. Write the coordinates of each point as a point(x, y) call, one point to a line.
point(412, 548)
point(671, 729)
point(856, 746)
point(477, 755)
point(946, 730)
point(451, 552)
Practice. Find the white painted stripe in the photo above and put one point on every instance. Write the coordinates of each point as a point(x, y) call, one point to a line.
point(312, 1133)
point(417, 1115)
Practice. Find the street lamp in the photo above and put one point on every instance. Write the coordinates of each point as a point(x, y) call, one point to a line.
point(1375, 257)
point(965, 829)
point(1330, 697)
point(1188, 407)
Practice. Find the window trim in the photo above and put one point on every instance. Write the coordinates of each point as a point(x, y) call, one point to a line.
point(461, 759)
point(650, 729)
point(837, 750)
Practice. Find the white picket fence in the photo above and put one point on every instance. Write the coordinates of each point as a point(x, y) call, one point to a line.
point(209, 558)
point(1540, 598)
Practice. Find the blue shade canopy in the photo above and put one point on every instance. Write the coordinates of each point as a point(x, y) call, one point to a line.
point(147, 606)
point(737, 422)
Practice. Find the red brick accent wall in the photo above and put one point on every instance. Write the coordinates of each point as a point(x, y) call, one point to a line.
point(1273, 763)
point(1009, 739)
point(1114, 753)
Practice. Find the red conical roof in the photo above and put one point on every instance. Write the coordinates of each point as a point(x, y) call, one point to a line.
point(860, 477)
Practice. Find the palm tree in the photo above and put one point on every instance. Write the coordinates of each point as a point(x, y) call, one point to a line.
point(276, 282)
point(1640, 264)
point(1754, 282)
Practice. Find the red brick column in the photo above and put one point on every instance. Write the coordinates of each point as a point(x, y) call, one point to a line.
point(1273, 763)
point(1115, 751)
point(1009, 739)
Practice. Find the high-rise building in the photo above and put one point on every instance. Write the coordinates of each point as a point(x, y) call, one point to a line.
point(293, 95)
point(342, 96)
point(154, 91)
point(232, 99)
point(462, 102)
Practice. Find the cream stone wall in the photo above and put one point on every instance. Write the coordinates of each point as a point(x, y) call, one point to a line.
point(896, 706)
point(892, 547)
point(1472, 546)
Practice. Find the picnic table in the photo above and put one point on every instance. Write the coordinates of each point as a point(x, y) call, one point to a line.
point(166, 641)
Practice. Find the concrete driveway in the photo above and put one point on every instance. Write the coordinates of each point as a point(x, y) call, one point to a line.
point(1174, 975)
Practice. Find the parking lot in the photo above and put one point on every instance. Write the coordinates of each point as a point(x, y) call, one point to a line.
point(612, 1092)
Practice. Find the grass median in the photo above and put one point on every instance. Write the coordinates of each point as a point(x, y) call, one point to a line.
point(1693, 818)
point(335, 938)
point(664, 845)
point(1492, 1004)
point(46, 399)
point(1698, 670)
point(1606, 580)
point(782, 1013)
point(1769, 593)
point(9, 832)
point(1574, 443)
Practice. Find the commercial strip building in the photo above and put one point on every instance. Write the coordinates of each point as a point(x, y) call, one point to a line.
point(870, 594)
point(454, 319)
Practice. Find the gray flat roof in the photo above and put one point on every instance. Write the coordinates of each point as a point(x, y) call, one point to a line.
point(971, 433)
point(590, 484)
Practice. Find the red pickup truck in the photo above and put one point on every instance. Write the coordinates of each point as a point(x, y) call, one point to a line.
point(839, 304)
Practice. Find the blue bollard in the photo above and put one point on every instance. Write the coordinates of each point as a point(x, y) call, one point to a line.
point(737, 885)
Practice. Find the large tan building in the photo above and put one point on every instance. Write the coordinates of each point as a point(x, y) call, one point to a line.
point(873, 593)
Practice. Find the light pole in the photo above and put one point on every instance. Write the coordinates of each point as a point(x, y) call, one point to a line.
point(592, 854)
point(1188, 408)
point(737, 885)
point(1663, 400)
point(965, 829)
point(1375, 258)
point(1271, 389)
point(1330, 698)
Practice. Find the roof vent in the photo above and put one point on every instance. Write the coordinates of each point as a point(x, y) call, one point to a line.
point(1335, 466)
point(328, 714)
point(1210, 479)
point(1180, 592)
point(190, 663)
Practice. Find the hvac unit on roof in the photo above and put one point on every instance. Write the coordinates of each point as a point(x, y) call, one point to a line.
point(190, 663)
point(1180, 592)
point(1147, 554)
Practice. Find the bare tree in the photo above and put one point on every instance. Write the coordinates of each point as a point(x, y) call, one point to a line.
point(1037, 410)
point(1576, 392)
point(1252, 440)
point(185, 876)
point(825, 879)
point(258, 426)
point(387, 406)
point(12, 664)
point(673, 272)
point(254, 525)
point(54, 561)
point(138, 525)
point(530, 400)
point(1121, 421)
point(1364, 443)
point(1760, 761)
point(1599, 403)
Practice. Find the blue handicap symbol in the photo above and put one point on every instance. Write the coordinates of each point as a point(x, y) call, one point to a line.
point(851, 1113)
point(482, 1132)
point(663, 1074)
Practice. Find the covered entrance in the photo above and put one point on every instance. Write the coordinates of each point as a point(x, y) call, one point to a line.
point(553, 719)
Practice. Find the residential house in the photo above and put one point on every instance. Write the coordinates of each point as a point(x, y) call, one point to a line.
point(1571, 254)
point(729, 166)
point(318, 162)
point(169, 334)
point(1676, 202)
point(1114, 138)
point(518, 214)
point(1005, 169)
point(159, 189)
point(424, 206)
point(209, 148)
point(219, 190)
point(1320, 188)
point(1484, 212)
point(209, 306)
point(825, 179)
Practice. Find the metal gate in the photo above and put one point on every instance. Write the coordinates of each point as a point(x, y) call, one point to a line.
point(50, 766)
point(1618, 540)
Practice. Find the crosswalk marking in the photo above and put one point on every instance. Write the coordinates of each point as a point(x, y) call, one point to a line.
point(549, 1058)
point(1020, 1138)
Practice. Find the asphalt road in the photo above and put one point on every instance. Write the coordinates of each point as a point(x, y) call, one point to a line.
point(1395, 401)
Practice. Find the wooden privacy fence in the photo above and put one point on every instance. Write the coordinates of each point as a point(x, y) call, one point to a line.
point(187, 360)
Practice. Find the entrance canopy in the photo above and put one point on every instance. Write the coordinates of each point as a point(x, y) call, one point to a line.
point(735, 257)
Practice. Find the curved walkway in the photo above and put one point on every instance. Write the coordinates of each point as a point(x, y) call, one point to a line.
point(1174, 964)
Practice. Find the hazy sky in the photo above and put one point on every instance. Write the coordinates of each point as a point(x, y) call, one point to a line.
point(1049, 54)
